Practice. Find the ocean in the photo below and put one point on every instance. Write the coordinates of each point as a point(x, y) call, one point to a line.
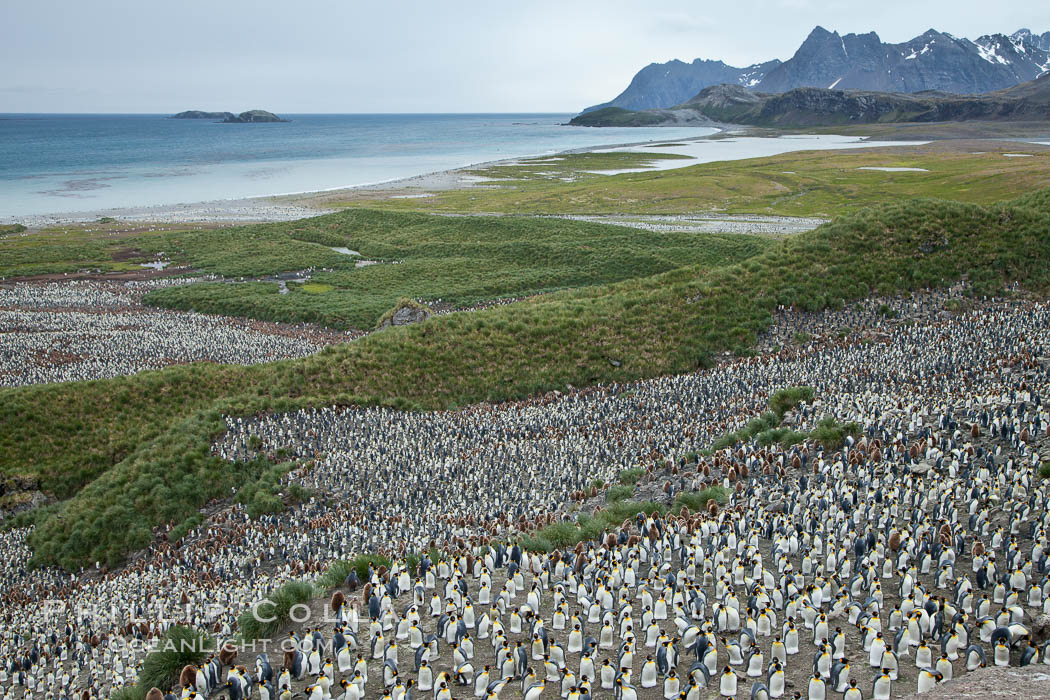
point(71, 163)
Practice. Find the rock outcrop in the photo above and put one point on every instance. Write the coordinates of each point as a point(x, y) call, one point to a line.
point(406, 312)
point(197, 114)
point(253, 116)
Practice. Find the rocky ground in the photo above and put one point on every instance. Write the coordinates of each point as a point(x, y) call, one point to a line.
point(994, 684)
point(711, 223)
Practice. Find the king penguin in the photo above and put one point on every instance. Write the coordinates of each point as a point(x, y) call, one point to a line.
point(882, 686)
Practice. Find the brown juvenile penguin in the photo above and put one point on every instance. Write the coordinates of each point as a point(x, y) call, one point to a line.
point(227, 654)
point(188, 676)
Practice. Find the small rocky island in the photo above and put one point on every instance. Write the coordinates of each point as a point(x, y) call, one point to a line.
point(197, 114)
point(252, 116)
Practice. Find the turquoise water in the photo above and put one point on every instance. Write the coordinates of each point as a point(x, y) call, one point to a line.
point(68, 163)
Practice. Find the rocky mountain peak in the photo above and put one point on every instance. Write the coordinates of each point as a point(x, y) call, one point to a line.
point(932, 61)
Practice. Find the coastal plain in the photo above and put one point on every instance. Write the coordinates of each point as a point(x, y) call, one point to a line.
point(802, 183)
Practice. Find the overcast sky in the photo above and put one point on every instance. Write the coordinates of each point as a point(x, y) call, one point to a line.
point(304, 56)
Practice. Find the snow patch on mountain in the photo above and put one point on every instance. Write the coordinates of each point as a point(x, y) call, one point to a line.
point(989, 54)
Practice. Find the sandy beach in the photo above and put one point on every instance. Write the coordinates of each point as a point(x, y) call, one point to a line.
point(288, 207)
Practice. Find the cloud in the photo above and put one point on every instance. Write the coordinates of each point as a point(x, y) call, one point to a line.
point(457, 55)
point(680, 23)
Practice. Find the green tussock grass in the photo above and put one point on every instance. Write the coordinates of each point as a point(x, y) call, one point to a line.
point(165, 480)
point(630, 477)
point(764, 429)
point(106, 245)
point(458, 260)
point(316, 288)
point(245, 251)
point(785, 437)
point(619, 492)
point(587, 527)
point(52, 252)
point(265, 620)
point(337, 571)
point(754, 426)
point(267, 493)
point(696, 501)
point(137, 448)
point(832, 434)
point(534, 543)
point(29, 518)
point(789, 398)
point(181, 646)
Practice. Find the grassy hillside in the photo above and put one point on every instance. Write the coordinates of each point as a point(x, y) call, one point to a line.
point(808, 183)
point(457, 260)
point(65, 435)
point(668, 323)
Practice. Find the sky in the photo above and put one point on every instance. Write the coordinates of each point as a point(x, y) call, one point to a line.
point(346, 56)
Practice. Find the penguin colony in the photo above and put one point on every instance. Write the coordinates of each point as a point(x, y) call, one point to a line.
point(911, 556)
point(874, 315)
point(72, 331)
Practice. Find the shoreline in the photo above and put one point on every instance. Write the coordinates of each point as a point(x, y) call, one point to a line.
point(289, 206)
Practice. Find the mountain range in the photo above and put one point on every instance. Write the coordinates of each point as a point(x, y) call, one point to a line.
point(809, 106)
point(661, 85)
point(932, 61)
